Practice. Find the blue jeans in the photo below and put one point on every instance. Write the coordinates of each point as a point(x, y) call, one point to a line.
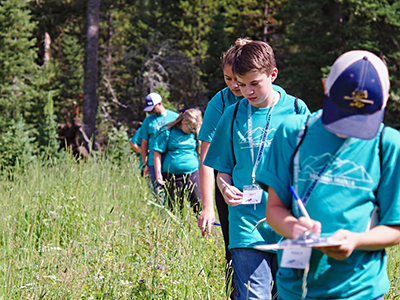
point(155, 185)
point(257, 268)
point(379, 298)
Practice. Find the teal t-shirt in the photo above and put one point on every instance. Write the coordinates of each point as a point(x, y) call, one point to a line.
point(215, 108)
point(137, 140)
point(230, 152)
point(344, 197)
point(151, 125)
point(179, 154)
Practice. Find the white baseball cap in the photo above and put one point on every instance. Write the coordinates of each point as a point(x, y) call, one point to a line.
point(152, 100)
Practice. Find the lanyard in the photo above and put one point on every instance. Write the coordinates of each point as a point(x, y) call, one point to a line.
point(320, 173)
point(251, 142)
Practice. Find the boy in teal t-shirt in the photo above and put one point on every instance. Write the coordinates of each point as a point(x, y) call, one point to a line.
point(344, 165)
point(239, 147)
point(150, 126)
point(135, 143)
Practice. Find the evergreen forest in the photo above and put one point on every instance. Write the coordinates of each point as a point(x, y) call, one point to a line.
point(96, 60)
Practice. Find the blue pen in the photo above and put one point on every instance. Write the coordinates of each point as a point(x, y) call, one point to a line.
point(216, 224)
point(299, 203)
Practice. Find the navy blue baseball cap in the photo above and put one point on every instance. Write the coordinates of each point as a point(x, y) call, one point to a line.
point(357, 90)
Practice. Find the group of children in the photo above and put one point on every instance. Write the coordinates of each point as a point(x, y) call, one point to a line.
point(169, 151)
point(258, 144)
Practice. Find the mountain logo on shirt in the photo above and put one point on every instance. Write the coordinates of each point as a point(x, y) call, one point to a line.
point(182, 140)
point(343, 173)
point(257, 135)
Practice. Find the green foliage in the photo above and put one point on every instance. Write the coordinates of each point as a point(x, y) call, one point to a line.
point(46, 137)
point(317, 32)
point(16, 147)
point(118, 148)
point(218, 44)
point(17, 56)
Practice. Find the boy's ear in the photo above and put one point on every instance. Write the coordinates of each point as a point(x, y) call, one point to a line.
point(274, 74)
point(323, 81)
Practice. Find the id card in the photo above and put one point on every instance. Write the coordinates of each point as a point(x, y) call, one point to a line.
point(252, 194)
point(296, 258)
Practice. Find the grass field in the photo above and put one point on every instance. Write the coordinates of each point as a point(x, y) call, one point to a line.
point(94, 231)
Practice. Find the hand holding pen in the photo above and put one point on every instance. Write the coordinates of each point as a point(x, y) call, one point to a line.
point(305, 224)
point(232, 195)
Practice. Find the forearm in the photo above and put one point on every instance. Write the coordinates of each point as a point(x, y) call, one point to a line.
point(206, 180)
point(136, 148)
point(157, 163)
point(378, 238)
point(283, 222)
point(144, 150)
point(206, 187)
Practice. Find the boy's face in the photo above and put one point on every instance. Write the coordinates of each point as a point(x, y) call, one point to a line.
point(230, 80)
point(256, 87)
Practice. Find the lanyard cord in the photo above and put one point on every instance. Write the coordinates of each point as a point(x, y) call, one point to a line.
point(320, 173)
point(251, 142)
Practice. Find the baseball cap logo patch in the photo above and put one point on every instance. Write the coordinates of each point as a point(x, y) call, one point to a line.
point(358, 98)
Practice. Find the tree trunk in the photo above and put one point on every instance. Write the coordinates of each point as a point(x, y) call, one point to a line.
point(265, 31)
point(90, 84)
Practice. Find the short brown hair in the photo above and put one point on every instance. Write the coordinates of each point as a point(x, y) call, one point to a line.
point(254, 56)
point(229, 56)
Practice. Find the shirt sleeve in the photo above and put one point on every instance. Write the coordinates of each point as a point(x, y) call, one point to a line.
point(161, 140)
point(137, 139)
point(388, 195)
point(212, 115)
point(220, 153)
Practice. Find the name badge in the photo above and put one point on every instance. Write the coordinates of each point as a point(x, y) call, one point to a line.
point(252, 194)
point(296, 258)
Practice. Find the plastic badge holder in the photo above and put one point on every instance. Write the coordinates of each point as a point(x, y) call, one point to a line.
point(307, 240)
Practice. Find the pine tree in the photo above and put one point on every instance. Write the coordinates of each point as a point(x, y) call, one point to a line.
point(17, 60)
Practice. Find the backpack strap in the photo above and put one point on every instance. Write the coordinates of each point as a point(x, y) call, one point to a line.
point(223, 100)
point(301, 136)
point(381, 147)
point(296, 105)
point(233, 120)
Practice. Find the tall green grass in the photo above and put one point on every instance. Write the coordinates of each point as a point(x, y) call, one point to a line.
point(94, 231)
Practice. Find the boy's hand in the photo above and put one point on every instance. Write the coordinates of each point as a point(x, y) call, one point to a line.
point(232, 195)
point(305, 224)
point(206, 220)
point(341, 252)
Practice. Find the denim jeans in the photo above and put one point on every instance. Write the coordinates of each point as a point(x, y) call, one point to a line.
point(154, 183)
point(254, 272)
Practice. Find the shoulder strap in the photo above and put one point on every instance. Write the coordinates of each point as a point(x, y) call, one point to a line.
point(223, 100)
point(302, 136)
point(234, 114)
point(381, 148)
point(296, 105)
point(233, 120)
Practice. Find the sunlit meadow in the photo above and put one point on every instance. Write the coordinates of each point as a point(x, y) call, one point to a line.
point(94, 230)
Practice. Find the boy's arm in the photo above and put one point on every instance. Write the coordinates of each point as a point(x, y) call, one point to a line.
point(377, 238)
point(157, 167)
point(136, 148)
point(232, 195)
point(145, 153)
point(207, 215)
point(283, 222)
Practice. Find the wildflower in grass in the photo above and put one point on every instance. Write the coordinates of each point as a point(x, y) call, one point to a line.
point(159, 266)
